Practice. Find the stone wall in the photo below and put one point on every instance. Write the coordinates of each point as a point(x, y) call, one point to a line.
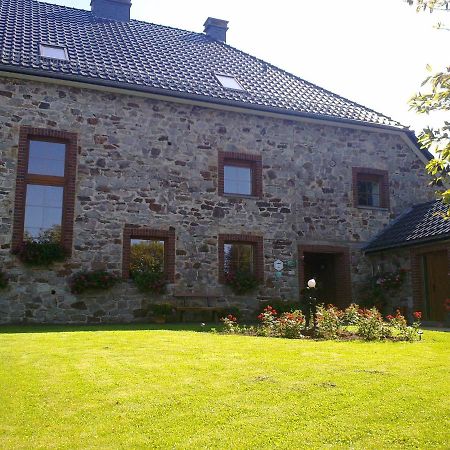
point(153, 163)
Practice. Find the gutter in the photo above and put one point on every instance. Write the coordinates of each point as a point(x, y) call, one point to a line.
point(408, 244)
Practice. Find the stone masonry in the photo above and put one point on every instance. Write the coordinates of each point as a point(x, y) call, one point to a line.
point(153, 163)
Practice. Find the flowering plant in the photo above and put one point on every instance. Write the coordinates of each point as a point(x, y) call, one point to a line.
point(391, 280)
point(241, 282)
point(290, 325)
point(371, 326)
point(329, 321)
point(40, 253)
point(230, 324)
point(95, 280)
point(400, 327)
point(150, 281)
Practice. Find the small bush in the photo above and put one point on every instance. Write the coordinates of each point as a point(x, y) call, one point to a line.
point(329, 321)
point(162, 309)
point(281, 306)
point(41, 253)
point(230, 324)
point(149, 281)
point(289, 325)
point(400, 328)
point(371, 326)
point(96, 280)
point(241, 282)
point(4, 281)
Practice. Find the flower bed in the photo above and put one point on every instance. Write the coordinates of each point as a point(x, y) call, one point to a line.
point(92, 281)
point(330, 322)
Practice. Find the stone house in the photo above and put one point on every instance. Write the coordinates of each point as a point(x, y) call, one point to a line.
point(120, 132)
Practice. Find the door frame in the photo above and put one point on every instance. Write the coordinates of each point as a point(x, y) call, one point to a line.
point(342, 269)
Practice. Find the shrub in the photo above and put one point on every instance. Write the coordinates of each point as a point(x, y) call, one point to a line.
point(289, 325)
point(329, 321)
point(371, 326)
point(351, 316)
point(401, 330)
point(241, 282)
point(3, 280)
point(281, 306)
point(41, 253)
point(150, 281)
point(96, 280)
point(230, 324)
point(162, 309)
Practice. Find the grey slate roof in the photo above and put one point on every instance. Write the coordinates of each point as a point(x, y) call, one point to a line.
point(422, 223)
point(159, 59)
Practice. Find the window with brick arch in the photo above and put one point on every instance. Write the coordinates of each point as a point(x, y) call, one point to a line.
point(45, 187)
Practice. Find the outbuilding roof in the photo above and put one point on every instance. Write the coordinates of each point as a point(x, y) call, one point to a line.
point(162, 60)
point(421, 224)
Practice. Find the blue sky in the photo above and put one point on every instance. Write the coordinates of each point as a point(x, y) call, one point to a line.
point(372, 52)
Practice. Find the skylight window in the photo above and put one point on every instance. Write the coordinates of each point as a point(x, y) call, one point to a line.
point(53, 51)
point(229, 82)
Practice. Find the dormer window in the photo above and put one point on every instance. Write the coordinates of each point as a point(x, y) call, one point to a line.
point(229, 82)
point(53, 51)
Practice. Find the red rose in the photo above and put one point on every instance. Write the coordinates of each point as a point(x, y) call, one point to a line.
point(417, 315)
point(389, 317)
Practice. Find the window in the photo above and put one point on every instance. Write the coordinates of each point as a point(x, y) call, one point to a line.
point(144, 248)
point(229, 82)
point(238, 257)
point(370, 188)
point(53, 51)
point(45, 186)
point(241, 252)
point(240, 174)
point(146, 254)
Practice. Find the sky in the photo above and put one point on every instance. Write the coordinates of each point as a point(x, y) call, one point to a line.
point(373, 52)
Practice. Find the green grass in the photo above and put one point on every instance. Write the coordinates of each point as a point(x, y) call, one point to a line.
point(144, 387)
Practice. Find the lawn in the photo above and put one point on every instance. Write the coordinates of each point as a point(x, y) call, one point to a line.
point(144, 387)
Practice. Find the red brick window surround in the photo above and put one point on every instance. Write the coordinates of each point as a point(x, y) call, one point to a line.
point(132, 232)
point(370, 188)
point(257, 253)
point(240, 174)
point(45, 185)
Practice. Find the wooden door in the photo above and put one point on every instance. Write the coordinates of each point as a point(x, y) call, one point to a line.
point(437, 286)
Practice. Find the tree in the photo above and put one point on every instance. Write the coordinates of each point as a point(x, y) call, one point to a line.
point(436, 98)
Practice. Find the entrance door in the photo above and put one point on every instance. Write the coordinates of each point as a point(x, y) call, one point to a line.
point(322, 267)
point(437, 286)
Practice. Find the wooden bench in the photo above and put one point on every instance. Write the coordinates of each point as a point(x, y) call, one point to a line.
point(184, 299)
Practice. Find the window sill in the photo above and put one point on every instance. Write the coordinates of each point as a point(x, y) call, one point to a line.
point(250, 197)
point(376, 208)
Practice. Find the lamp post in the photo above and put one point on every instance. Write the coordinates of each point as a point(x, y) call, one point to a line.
point(312, 303)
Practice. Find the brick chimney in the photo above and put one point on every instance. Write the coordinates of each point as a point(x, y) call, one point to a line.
point(112, 9)
point(216, 29)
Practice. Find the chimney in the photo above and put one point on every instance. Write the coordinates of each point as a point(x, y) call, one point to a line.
point(112, 9)
point(216, 29)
